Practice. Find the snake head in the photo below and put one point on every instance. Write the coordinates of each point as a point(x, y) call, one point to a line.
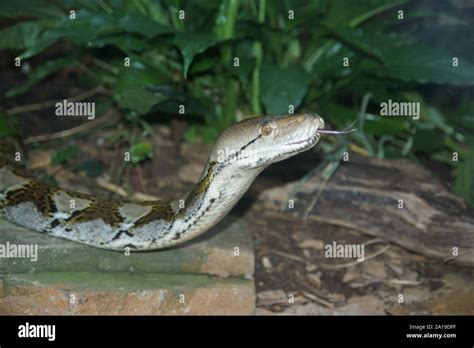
point(260, 141)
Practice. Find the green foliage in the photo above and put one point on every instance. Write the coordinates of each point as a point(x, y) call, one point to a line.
point(41, 73)
point(423, 65)
point(282, 87)
point(140, 152)
point(464, 184)
point(426, 57)
point(191, 44)
point(64, 155)
point(7, 127)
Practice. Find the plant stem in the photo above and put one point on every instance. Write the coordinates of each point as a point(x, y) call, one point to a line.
point(225, 30)
point(255, 97)
point(363, 137)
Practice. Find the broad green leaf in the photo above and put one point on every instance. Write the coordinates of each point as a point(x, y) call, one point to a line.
point(21, 35)
point(35, 8)
point(464, 184)
point(137, 98)
point(427, 140)
point(140, 152)
point(378, 125)
point(357, 40)
point(190, 45)
point(83, 29)
point(41, 72)
point(45, 40)
point(342, 116)
point(422, 64)
point(86, 27)
point(136, 23)
point(352, 13)
point(280, 88)
point(138, 74)
point(32, 37)
point(123, 41)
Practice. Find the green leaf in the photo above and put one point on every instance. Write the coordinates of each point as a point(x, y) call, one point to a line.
point(427, 140)
point(137, 74)
point(378, 125)
point(136, 23)
point(123, 41)
point(84, 29)
point(35, 8)
point(31, 36)
point(140, 152)
point(6, 126)
point(40, 73)
point(190, 45)
point(352, 13)
point(464, 183)
point(423, 65)
point(20, 35)
point(64, 155)
point(357, 40)
point(197, 132)
point(342, 116)
point(137, 98)
point(430, 115)
point(280, 87)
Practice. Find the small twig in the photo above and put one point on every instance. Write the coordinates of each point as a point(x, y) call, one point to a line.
point(359, 150)
point(288, 256)
point(141, 179)
point(105, 65)
point(317, 299)
point(327, 173)
point(451, 258)
point(50, 103)
point(104, 6)
point(404, 282)
point(106, 185)
point(109, 116)
point(118, 174)
point(111, 187)
point(355, 262)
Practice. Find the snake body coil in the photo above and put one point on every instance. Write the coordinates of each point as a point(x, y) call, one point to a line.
point(240, 153)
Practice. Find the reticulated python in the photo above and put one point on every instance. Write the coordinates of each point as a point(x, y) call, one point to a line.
point(240, 153)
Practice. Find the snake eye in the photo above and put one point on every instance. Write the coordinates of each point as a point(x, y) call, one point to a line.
point(266, 129)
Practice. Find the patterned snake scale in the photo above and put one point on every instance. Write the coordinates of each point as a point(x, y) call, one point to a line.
point(240, 153)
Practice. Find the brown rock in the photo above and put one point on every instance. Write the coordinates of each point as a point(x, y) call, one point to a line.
point(123, 294)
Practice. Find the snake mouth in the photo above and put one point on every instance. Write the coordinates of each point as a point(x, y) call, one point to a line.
point(300, 142)
point(310, 140)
